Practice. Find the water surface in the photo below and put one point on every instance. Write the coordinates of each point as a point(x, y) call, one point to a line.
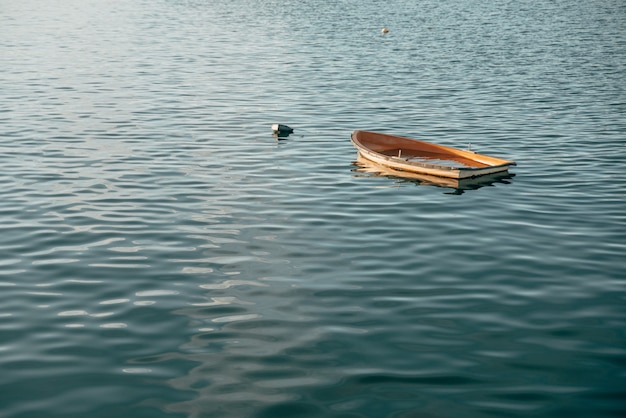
point(164, 256)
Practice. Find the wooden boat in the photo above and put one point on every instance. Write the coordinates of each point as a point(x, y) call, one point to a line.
point(413, 156)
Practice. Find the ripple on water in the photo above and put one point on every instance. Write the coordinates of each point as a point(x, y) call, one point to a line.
point(164, 255)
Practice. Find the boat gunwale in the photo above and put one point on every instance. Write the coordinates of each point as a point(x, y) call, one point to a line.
point(368, 167)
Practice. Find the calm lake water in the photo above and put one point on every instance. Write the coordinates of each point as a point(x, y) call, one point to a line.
point(163, 255)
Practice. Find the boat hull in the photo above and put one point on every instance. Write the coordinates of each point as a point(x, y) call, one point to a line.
point(408, 155)
point(368, 168)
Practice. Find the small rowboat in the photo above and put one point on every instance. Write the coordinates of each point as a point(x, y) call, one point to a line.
point(412, 156)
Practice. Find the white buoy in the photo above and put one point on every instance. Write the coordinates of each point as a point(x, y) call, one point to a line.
point(385, 30)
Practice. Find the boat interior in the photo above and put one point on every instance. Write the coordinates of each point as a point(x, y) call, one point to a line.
point(426, 157)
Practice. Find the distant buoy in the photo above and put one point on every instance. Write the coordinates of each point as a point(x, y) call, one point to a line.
point(281, 131)
point(385, 30)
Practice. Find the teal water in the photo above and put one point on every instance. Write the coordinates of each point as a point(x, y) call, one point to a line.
point(162, 255)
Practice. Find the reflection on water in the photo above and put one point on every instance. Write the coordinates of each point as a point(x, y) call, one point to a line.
point(367, 168)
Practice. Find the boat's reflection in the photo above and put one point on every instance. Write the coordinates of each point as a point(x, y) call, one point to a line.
point(366, 168)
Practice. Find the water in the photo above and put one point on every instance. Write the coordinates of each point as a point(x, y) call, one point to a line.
point(164, 256)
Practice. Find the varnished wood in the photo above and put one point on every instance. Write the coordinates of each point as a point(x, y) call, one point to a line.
point(413, 156)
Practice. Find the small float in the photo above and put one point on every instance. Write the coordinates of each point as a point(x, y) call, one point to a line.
point(281, 131)
point(410, 156)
